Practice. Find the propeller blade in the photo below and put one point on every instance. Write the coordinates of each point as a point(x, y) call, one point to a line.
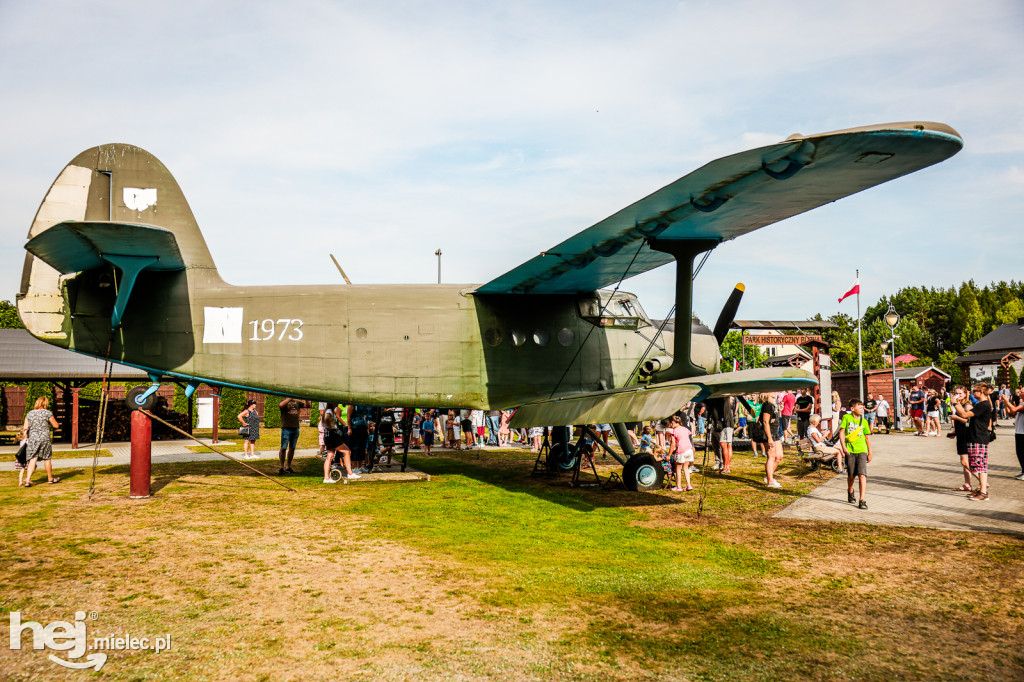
point(728, 314)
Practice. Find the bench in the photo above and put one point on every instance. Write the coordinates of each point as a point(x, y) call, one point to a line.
point(816, 460)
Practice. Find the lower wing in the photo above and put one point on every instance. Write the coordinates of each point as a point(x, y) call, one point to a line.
point(642, 403)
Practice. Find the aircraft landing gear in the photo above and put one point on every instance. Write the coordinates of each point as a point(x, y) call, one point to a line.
point(141, 397)
point(642, 473)
point(562, 457)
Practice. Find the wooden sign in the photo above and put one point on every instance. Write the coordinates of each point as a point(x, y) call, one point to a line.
point(778, 340)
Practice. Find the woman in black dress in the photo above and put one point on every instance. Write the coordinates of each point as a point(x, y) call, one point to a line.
point(960, 434)
point(251, 418)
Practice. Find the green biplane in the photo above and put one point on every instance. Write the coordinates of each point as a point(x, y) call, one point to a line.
point(117, 267)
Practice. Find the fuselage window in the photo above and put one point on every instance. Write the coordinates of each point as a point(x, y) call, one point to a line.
point(518, 337)
point(492, 336)
point(566, 336)
point(541, 337)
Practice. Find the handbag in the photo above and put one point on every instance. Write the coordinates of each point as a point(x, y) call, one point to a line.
point(22, 454)
point(243, 431)
point(991, 435)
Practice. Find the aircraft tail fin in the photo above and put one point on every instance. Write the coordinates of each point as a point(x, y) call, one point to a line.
point(118, 194)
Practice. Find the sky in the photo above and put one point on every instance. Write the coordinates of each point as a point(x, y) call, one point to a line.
point(382, 132)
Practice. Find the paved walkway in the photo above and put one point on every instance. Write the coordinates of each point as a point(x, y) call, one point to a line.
point(911, 482)
point(164, 451)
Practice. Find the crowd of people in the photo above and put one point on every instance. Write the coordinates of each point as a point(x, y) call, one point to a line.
point(349, 434)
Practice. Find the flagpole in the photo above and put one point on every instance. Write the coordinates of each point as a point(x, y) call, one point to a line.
point(860, 352)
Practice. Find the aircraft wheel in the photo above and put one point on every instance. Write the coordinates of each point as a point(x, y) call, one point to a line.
point(562, 457)
point(642, 473)
point(131, 399)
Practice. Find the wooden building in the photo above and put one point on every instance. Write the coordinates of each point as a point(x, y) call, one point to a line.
point(989, 358)
point(879, 381)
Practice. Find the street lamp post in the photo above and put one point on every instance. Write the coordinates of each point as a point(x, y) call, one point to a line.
point(892, 318)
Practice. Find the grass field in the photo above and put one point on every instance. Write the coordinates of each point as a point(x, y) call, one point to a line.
point(485, 572)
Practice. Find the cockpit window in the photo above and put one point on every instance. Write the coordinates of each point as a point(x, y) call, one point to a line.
point(620, 310)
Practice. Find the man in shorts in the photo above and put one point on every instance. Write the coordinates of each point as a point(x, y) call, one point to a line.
point(856, 440)
point(803, 406)
point(787, 404)
point(916, 399)
point(869, 411)
point(290, 409)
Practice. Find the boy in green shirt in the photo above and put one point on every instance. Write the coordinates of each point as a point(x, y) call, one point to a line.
point(856, 442)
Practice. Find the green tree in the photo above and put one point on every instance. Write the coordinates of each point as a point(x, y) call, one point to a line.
point(842, 342)
point(37, 389)
point(272, 411)
point(9, 316)
point(1012, 311)
point(946, 364)
point(232, 402)
point(732, 349)
point(1014, 379)
point(968, 316)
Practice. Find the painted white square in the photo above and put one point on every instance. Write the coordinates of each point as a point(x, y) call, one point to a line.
point(139, 199)
point(223, 325)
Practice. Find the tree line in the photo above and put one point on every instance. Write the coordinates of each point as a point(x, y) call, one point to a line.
point(936, 325)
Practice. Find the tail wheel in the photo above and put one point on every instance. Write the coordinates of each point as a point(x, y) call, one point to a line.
point(131, 399)
point(642, 473)
point(562, 457)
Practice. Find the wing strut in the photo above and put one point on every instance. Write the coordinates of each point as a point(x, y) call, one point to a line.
point(685, 252)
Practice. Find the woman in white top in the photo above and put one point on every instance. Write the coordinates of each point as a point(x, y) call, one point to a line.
point(818, 443)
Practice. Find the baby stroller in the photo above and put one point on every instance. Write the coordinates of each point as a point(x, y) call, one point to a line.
point(337, 469)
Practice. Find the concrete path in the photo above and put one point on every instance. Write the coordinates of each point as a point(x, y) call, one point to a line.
point(177, 451)
point(912, 481)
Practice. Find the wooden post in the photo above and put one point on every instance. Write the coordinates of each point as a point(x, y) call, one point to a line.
point(141, 461)
point(74, 417)
point(216, 416)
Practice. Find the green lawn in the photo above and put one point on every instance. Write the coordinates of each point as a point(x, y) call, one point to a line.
point(485, 572)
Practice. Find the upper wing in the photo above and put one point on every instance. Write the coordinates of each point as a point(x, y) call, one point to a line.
point(730, 197)
point(655, 402)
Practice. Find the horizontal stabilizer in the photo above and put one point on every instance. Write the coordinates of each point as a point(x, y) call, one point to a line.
point(658, 401)
point(74, 246)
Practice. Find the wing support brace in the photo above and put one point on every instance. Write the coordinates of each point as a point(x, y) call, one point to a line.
point(684, 251)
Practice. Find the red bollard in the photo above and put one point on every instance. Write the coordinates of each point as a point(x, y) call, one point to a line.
point(142, 450)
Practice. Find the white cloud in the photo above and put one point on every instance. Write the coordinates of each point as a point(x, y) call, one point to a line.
point(495, 131)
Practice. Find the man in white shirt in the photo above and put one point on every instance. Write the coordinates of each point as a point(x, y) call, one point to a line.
point(882, 413)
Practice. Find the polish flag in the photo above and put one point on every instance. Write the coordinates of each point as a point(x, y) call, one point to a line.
point(735, 365)
point(855, 289)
